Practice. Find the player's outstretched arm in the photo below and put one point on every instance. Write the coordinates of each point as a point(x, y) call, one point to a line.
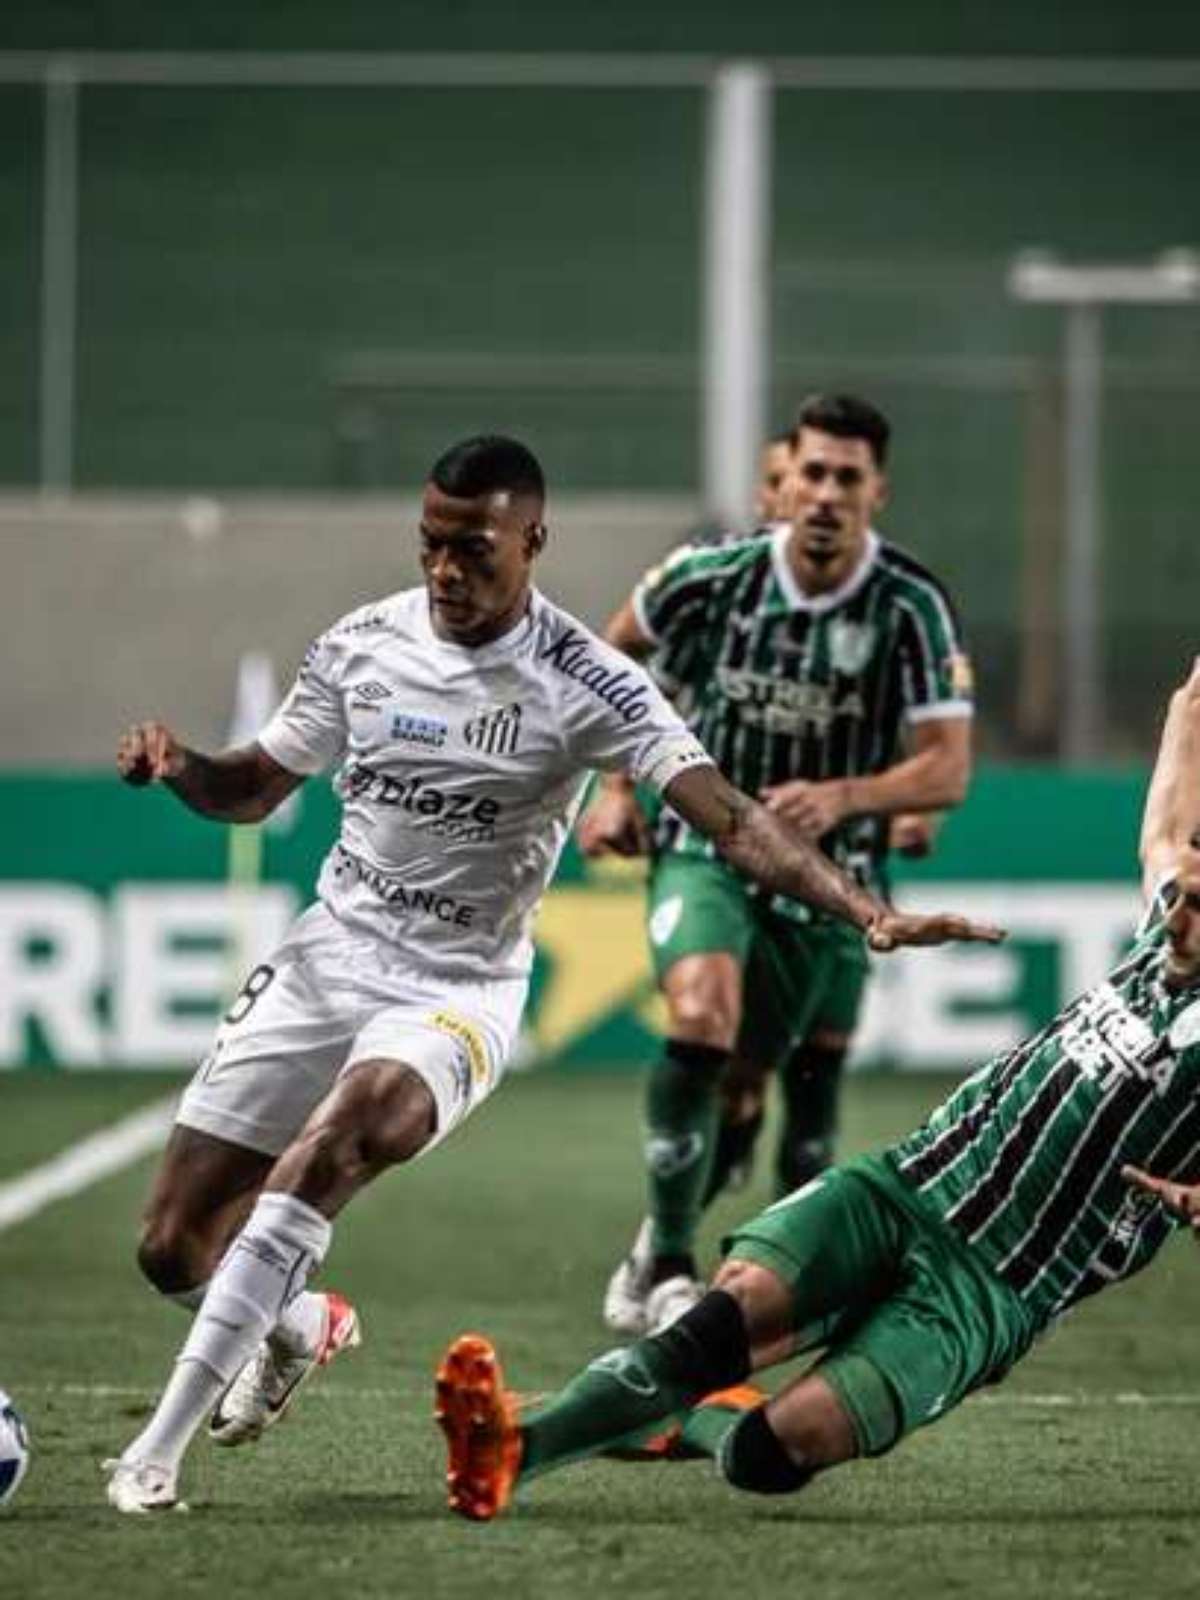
point(765, 849)
point(1172, 811)
point(242, 785)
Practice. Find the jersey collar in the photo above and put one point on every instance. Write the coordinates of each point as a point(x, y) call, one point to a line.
point(816, 603)
point(481, 654)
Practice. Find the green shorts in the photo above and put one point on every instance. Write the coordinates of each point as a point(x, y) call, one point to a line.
point(910, 1319)
point(797, 974)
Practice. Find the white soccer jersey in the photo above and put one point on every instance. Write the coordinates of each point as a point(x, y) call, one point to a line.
point(460, 769)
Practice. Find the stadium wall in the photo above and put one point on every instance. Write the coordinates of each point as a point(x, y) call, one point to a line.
point(311, 289)
point(121, 940)
point(128, 607)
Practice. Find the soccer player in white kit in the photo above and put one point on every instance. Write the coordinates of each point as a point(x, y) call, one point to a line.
point(463, 717)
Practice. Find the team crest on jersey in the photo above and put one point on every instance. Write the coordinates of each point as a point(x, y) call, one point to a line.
point(850, 645)
point(495, 731)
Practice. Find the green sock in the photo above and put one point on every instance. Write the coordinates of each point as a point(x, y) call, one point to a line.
point(704, 1427)
point(620, 1395)
point(734, 1147)
point(810, 1082)
point(682, 1115)
point(614, 1400)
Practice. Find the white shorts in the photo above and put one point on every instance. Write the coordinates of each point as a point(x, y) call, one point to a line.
point(328, 997)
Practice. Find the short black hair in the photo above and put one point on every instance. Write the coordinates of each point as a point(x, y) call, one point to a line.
point(847, 417)
point(487, 463)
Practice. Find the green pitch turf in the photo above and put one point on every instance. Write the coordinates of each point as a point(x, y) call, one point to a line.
point(1075, 1478)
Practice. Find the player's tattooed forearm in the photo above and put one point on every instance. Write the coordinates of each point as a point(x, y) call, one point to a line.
point(737, 810)
point(759, 845)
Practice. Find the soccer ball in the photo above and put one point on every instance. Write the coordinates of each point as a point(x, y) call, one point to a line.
point(14, 1449)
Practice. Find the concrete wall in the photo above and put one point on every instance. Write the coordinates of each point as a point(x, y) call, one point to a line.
point(117, 608)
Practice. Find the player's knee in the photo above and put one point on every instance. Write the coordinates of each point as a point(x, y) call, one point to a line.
point(355, 1141)
point(704, 1003)
point(329, 1154)
point(765, 1300)
point(400, 1119)
point(753, 1458)
point(700, 1021)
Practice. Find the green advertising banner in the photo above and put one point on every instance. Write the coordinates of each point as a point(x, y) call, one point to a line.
point(125, 923)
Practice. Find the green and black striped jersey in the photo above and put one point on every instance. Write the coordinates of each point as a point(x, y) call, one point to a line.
point(779, 685)
point(1023, 1161)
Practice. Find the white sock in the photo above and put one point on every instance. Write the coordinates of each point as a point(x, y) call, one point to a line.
point(298, 1331)
point(300, 1326)
point(265, 1268)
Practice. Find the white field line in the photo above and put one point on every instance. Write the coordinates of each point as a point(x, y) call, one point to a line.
point(1017, 1401)
point(80, 1165)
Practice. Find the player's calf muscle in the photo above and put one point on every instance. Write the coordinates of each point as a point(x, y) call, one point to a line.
point(173, 1261)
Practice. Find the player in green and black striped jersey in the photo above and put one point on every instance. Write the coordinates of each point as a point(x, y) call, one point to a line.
point(823, 668)
point(927, 1270)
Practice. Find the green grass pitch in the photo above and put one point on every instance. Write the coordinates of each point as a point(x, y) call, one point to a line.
point(1075, 1478)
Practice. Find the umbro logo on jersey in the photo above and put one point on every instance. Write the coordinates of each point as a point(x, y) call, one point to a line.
point(368, 696)
point(494, 732)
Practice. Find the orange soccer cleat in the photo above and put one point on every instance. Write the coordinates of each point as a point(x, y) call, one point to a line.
point(478, 1416)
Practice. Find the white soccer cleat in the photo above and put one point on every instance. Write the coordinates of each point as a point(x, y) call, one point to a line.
point(138, 1488)
point(668, 1301)
point(629, 1287)
point(268, 1383)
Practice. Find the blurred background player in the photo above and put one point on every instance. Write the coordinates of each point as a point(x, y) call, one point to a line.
point(929, 1269)
point(824, 668)
point(774, 470)
point(811, 1074)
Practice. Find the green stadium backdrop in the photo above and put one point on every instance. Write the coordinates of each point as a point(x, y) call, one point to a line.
point(310, 288)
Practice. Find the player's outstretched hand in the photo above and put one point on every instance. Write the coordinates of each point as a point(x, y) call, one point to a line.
point(614, 825)
point(893, 929)
point(148, 751)
point(1182, 1200)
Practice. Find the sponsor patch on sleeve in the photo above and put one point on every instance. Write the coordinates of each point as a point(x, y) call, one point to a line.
point(960, 674)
